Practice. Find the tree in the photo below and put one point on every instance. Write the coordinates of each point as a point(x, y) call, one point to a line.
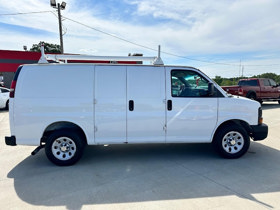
point(233, 81)
point(218, 80)
point(226, 81)
point(271, 76)
point(49, 48)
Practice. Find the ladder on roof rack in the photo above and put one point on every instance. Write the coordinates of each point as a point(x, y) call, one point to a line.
point(62, 57)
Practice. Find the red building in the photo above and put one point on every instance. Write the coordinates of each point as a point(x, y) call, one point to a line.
point(10, 60)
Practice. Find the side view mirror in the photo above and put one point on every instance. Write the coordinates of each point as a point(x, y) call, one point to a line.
point(211, 90)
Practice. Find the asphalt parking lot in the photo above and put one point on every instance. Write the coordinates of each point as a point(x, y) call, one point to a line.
point(181, 176)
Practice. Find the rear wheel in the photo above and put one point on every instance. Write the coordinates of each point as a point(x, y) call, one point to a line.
point(7, 105)
point(252, 96)
point(64, 147)
point(231, 141)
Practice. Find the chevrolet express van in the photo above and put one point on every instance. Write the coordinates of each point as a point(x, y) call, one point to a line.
point(64, 107)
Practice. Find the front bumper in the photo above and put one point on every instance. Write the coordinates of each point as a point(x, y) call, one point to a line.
point(259, 132)
point(10, 140)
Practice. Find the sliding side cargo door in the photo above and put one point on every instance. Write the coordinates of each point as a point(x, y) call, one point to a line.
point(146, 112)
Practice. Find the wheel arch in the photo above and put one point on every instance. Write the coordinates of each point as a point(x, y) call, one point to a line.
point(241, 123)
point(61, 125)
point(251, 92)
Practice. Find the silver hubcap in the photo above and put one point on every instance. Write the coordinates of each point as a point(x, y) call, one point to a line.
point(64, 148)
point(233, 142)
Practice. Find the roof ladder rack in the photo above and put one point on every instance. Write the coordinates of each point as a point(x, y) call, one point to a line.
point(63, 57)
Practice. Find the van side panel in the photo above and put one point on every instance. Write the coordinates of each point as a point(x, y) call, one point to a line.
point(47, 94)
point(240, 108)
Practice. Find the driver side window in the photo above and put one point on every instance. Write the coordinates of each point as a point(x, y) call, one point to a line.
point(188, 84)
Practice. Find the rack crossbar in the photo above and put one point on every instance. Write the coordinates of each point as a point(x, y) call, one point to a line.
point(63, 57)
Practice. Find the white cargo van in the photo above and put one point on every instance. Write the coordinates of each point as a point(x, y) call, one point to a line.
point(64, 107)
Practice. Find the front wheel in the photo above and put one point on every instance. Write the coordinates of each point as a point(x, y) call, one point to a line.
point(231, 141)
point(64, 147)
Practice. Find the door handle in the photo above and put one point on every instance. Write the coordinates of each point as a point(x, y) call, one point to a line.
point(169, 105)
point(131, 105)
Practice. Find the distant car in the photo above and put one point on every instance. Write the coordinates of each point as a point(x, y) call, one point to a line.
point(4, 98)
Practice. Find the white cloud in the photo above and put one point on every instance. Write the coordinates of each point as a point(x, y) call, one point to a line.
point(219, 26)
point(187, 12)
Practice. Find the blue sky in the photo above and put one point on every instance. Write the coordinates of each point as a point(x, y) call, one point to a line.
point(219, 37)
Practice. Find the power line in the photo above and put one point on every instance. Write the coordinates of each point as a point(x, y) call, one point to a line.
point(112, 35)
point(139, 45)
point(24, 13)
point(167, 53)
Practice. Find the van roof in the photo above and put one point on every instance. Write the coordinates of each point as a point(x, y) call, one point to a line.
point(112, 64)
point(106, 64)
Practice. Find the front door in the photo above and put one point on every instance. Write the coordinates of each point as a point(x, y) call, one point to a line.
point(275, 89)
point(191, 111)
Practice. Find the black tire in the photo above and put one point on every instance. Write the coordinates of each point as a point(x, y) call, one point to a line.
point(252, 96)
point(231, 141)
point(64, 147)
point(7, 105)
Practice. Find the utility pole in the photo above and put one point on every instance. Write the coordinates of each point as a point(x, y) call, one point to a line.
point(59, 7)
point(60, 28)
point(239, 67)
